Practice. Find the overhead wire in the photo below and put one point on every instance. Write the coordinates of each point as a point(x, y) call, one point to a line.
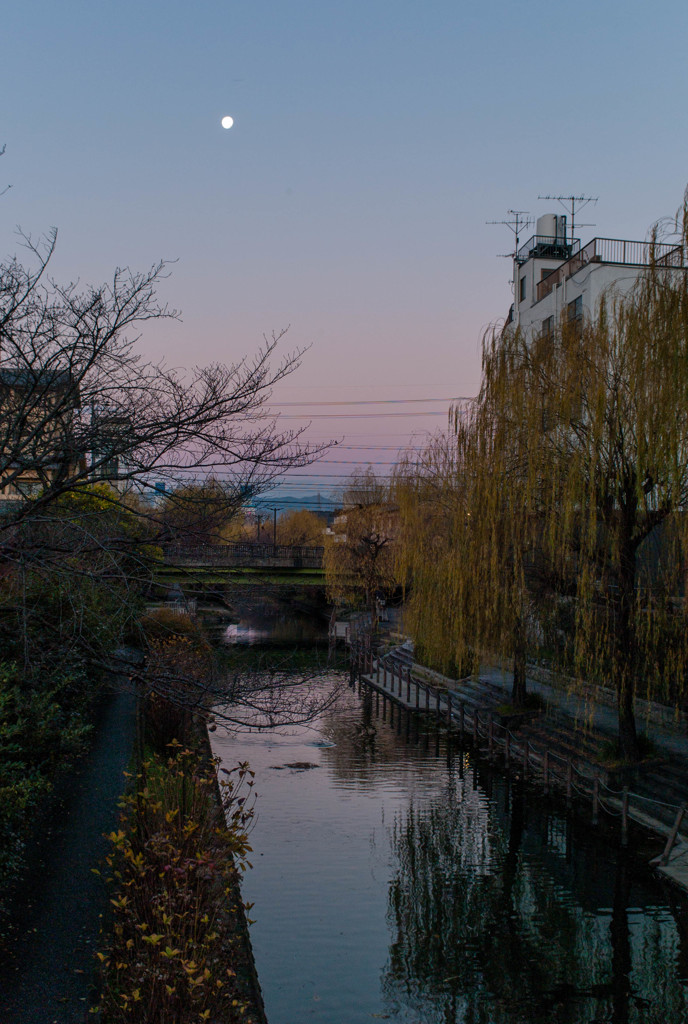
point(372, 401)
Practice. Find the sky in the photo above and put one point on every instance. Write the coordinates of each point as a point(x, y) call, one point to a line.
point(372, 142)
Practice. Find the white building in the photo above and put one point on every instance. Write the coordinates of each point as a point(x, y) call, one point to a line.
point(555, 277)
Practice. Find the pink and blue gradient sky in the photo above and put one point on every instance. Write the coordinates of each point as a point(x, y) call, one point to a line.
point(371, 143)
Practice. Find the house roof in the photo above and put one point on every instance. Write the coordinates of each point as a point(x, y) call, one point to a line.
point(18, 378)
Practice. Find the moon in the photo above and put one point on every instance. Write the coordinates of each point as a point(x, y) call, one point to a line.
point(227, 121)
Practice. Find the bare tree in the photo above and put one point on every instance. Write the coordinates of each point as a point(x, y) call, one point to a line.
point(87, 425)
point(359, 552)
point(79, 404)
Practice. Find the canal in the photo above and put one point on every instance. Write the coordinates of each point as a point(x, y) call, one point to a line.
point(397, 877)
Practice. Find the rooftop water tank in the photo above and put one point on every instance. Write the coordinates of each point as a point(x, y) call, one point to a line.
point(552, 225)
point(550, 238)
point(546, 226)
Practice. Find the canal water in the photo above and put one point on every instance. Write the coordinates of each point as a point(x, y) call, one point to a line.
point(397, 878)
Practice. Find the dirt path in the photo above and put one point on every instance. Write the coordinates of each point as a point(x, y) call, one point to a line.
point(47, 976)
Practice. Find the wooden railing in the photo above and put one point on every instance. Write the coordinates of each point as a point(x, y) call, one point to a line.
point(554, 771)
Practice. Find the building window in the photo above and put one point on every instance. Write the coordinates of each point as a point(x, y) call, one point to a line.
point(522, 289)
point(575, 309)
point(548, 328)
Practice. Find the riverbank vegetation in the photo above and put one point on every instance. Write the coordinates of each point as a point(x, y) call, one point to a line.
point(177, 950)
point(88, 427)
point(550, 524)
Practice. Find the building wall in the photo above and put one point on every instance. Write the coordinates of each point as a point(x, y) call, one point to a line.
point(591, 282)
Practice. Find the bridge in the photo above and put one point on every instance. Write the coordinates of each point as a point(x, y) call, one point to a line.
point(243, 562)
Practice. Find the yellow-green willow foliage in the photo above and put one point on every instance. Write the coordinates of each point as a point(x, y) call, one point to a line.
point(466, 545)
point(563, 498)
point(359, 556)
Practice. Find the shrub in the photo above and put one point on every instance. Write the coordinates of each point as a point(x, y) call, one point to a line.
point(41, 730)
point(173, 866)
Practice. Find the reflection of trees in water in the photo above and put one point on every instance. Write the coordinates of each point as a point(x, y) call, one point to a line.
point(483, 936)
point(362, 742)
point(365, 745)
point(286, 614)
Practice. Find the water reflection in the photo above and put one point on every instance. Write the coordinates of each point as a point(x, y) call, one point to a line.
point(494, 923)
point(275, 616)
point(394, 883)
point(236, 633)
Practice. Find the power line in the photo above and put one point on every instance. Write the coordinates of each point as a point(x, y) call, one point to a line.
point(373, 401)
point(355, 415)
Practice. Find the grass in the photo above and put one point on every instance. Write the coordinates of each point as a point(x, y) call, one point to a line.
point(610, 752)
point(533, 702)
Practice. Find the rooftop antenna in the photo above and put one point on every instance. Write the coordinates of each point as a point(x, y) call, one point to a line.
point(569, 204)
point(520, 219)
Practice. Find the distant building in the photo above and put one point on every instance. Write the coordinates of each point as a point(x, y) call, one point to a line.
point(555, 278)
point(37, 442)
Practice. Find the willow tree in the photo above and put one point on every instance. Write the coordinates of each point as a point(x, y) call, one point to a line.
point(607, 409)
point(468, 543)
point(569, 481)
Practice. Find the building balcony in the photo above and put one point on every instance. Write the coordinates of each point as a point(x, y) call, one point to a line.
point(618, 251)
point(547, 247)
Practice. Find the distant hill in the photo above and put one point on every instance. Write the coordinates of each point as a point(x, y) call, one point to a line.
point(284, 502)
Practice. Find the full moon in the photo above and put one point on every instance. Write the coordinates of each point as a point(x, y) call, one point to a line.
point(227, 121)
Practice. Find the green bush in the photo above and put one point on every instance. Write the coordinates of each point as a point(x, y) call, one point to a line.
point(41, 729)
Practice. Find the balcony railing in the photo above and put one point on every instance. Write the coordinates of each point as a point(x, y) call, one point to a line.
point(614, 250)
point(547, 247)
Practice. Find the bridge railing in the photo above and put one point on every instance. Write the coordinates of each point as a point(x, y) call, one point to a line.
point(245, 553)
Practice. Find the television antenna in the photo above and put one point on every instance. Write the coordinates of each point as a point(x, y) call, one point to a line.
point(569, 203)
point(520, 219)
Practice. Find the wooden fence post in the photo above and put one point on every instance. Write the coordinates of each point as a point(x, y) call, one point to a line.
point(449, 711)
point(408, 684)
point(664, 859)
point(526, 757)
point(624, 817)
point(507, 748)
point(462, 718)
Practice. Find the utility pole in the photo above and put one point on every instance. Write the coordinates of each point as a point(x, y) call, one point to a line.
point(569, 204)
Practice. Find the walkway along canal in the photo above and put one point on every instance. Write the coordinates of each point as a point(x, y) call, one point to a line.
point(468, 708)
point(398, 876)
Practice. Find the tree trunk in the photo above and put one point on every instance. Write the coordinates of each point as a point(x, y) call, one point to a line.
point(518, 688)
point(625, 654)
point(628, 736)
